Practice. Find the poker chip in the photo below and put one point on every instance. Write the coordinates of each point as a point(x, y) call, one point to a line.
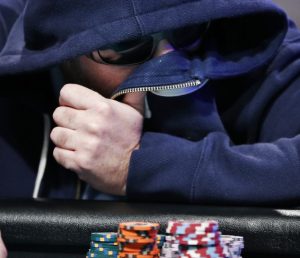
point(102, 249)
point(184, 227)
point(104, 237)
point(191, 239)
point(104, 252)
point(103, 244)
point(138, 240)
point(136, 256)
point(169, 250)
point(136, 248)
point(233, 245)
point(139, 226)
point(184, 239)
point(203, 239)
point(215, 251)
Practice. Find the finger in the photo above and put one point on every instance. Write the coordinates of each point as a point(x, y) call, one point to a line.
point(3, 251)
point(68, 117)
point(78, 97)
point(66, 158)
point(64, 138)
point(135, 100)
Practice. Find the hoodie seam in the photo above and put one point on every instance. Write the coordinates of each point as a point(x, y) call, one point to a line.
point(196, 175)
point(136, 17)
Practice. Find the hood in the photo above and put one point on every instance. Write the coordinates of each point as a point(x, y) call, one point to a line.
point(243, 34)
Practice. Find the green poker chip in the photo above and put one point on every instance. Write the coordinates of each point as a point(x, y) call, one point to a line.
point(107, 237)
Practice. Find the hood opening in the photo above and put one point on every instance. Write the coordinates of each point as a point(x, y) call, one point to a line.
point(243, 35)
point(238, 45)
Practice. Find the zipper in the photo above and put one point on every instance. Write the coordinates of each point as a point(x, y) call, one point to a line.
point(188, 84)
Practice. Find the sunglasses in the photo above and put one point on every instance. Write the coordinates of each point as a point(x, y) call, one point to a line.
point(130, 52)
point(137, 51)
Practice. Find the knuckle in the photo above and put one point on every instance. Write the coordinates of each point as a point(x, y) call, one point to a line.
point(53, 134)
point(58, 136)
point(65, 90)
point(56, 155)
point(57, 114)
point(91, 146)
point(94, 127)
point(62, 160)
point(103, 108)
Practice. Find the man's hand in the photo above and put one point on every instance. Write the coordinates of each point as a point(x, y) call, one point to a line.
point(3, 251)
point(95, 136)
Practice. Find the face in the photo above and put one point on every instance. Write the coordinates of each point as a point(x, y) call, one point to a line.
point(99, 77)
point(103, 78)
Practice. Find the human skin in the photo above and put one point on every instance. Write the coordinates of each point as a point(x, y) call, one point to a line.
point(3, 251)
point(95, 136)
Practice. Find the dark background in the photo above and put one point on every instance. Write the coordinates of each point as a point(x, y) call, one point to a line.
point(292, 7)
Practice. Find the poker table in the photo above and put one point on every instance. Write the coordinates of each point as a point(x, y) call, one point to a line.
point(61, 228)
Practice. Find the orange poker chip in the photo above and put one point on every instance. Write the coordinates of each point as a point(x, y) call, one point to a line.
point(143, 253)
point(139, 226)
point(136, 240)
point(136, 246)
point(130, 250)
point(139, 233)
point(125, 255)
point(132, 236)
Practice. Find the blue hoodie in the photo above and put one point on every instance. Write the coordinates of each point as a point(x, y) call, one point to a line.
point(234, 138)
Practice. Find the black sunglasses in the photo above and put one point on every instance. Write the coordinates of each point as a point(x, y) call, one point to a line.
point(137, 51)
point(130, 52)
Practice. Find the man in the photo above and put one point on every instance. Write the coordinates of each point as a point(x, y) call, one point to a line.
point(197, 100)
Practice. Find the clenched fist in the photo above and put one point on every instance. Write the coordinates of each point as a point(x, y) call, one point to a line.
point(95, 136)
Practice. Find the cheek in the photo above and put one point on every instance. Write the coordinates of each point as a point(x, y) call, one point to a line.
point(102, 78)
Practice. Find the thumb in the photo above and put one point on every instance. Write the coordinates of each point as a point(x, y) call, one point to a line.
point(136, 100)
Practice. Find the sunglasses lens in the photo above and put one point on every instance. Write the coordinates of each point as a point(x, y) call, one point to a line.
point(126, 53)
point(187, 37)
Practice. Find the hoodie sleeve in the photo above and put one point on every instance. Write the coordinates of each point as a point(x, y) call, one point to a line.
point(213, 169)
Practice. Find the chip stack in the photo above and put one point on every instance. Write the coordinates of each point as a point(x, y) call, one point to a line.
point(233, 245)
point(103, 244)
point(189, 239)
point(138, 240)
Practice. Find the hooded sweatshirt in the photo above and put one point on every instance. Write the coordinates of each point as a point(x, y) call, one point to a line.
point(224, 120)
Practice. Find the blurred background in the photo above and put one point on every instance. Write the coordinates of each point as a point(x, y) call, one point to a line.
point(292, 7)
